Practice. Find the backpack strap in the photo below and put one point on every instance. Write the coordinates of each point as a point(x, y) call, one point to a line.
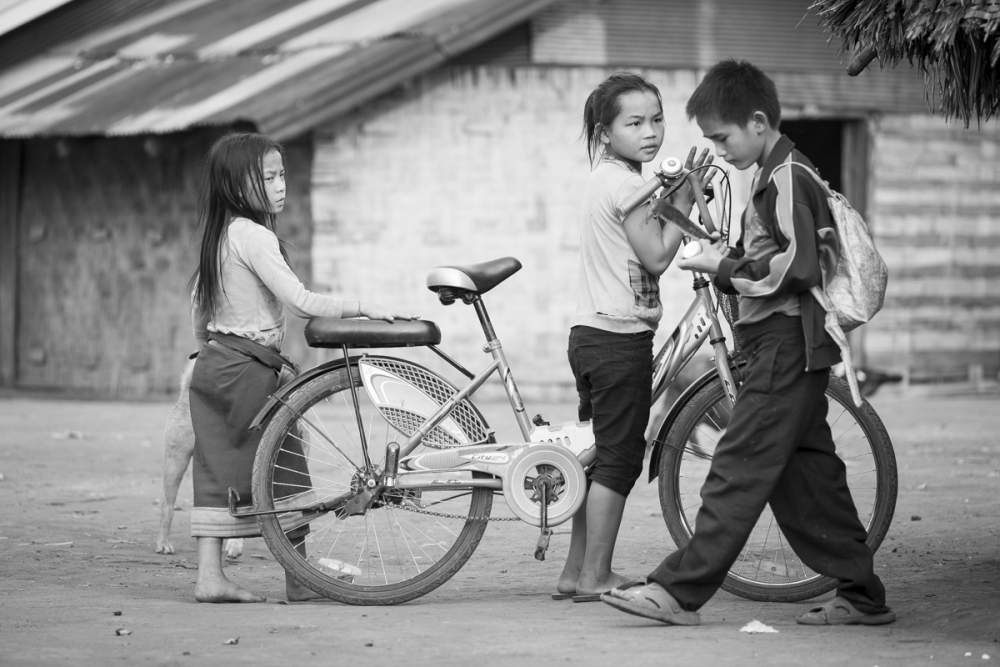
point(830, 322)
point(812, 172)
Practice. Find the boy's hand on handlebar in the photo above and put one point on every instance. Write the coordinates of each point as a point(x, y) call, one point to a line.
point(703, 160)
point(683, 196)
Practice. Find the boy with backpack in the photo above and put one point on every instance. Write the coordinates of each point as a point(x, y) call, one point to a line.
point(778, 447)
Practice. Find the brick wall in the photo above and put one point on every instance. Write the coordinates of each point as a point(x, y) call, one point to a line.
point(934, 208)
point(469, 164)
point(464, 166)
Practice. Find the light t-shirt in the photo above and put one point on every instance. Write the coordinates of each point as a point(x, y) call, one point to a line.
point(615, 292)
point(257, 284)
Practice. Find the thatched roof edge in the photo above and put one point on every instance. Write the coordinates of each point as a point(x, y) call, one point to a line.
point(955, 43)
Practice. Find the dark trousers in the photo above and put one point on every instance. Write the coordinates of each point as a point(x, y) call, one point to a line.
point(614, 379)
point(777, 449)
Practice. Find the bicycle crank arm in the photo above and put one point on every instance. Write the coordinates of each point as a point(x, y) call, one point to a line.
point(543, 486)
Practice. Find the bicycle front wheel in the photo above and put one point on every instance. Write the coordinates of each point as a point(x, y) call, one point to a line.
point(768, 569)
point(406, 544)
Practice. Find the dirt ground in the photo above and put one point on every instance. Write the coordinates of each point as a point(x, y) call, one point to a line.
point(81, 584)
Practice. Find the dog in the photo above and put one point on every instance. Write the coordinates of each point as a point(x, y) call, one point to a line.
point(178, 448)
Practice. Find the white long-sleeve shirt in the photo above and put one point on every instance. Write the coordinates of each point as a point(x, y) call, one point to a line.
point(257, 284)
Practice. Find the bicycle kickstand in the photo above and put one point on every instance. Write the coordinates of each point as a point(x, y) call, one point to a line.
point(543, 484)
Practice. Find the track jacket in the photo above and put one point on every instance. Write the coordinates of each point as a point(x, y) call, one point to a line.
point(794, 209)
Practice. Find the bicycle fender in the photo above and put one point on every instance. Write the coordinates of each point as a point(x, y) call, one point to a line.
point(284, 390)
point(668, 421)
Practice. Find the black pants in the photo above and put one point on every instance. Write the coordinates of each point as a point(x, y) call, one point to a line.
point(777, 449)
point(614, 379)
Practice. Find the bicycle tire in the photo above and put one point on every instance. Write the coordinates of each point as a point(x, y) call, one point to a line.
point(392, 553)
point(767, 569)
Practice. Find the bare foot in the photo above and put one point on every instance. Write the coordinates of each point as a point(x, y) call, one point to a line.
point(296, 592)
point(566, 586)
point(613, 580)
point(224, 591)
point(567, 580)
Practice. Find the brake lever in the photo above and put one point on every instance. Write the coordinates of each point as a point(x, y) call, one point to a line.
point(672, 214)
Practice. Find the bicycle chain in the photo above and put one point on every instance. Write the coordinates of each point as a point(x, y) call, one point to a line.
point(446, 515)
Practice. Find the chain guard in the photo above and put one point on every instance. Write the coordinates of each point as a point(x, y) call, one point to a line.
point(568, 491)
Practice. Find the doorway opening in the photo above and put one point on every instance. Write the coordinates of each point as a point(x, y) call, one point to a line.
point(838, 147)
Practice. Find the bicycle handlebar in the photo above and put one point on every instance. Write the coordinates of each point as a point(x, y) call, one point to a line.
point(701, 202)
point(670, 173)
point(674, 216)
point(670, 169)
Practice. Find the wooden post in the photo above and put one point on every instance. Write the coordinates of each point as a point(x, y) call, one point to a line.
point(855, 176)
point(10, 178)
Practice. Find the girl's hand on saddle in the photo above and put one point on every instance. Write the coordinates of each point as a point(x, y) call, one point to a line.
point(376, 312)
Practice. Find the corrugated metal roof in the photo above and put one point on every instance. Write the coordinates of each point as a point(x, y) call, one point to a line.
point(285, 65)
point(15, 13)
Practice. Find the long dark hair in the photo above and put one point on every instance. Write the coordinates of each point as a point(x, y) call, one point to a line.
point(603, 105)
point(233, 186)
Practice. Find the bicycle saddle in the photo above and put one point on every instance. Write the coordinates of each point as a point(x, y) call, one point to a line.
point(475, 278)
point(334, 332)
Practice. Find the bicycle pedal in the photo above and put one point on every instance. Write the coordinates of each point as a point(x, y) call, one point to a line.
point(542, 545)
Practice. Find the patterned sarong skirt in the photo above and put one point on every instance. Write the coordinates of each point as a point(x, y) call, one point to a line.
point(232, 381)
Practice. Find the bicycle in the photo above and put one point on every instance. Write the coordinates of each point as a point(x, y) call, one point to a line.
point(375, 475)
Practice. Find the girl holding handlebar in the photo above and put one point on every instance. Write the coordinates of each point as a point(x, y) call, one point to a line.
point(622, 255)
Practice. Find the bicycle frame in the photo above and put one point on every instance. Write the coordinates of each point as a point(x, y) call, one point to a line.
point(700, 322)
point(499, 364)
point(452, 467)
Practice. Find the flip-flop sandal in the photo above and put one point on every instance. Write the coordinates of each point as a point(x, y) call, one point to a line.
point(562, 596)
point(656, 603)
point(839, 611)
point(596, 597)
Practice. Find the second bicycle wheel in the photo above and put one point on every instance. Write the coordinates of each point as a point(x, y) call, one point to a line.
point(407, 544)
point(767, 568)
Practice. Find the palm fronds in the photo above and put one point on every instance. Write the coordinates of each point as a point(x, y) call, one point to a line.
point(955, 43)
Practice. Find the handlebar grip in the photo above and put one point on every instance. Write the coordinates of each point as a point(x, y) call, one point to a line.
point(641, 195)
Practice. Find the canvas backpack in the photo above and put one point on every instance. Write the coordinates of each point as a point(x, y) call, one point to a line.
point(854, 275)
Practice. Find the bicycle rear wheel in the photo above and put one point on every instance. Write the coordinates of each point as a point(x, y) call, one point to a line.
point(768, 569)
point(407, 544)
